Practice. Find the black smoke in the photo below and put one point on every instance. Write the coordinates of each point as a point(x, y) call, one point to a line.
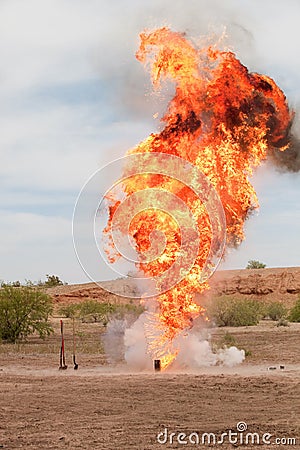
point(287, 160)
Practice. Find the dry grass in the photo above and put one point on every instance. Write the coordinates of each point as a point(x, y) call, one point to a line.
point(264, 342)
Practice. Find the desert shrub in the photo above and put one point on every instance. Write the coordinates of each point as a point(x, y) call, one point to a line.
point(91, 310)
point(126, 309)
point(294, 315)
point(52, 281)
point(24, 311)
point(226, 311)
point(69, 311)
point(94, 311)
point(11, 283)
point(254, 264)
point(275, 310)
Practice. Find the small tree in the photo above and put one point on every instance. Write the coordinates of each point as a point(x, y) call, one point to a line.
point(254, 264)
point(93, 311)
point(69, 311)
point(52, 281)
point(295, 312)
point(23, 311)
point(276, 311)
point(13, 283)
point(232, 312)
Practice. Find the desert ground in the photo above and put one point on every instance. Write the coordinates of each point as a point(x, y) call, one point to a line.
point(101, 406)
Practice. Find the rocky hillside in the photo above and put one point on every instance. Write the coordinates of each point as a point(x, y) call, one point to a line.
point(282, 284)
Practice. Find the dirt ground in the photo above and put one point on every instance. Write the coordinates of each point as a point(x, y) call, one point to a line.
point(105, 407)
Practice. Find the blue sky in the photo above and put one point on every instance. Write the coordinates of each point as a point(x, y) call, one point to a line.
point(73, 97)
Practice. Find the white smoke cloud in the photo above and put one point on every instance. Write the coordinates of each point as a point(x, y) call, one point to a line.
point(129, 343)
point(196, 352)
point(135, 342)
point(113, 340)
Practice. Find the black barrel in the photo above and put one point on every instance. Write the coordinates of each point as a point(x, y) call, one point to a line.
point(157, 365)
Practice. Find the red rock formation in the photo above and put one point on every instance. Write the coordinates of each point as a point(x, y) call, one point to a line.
point(282, 284)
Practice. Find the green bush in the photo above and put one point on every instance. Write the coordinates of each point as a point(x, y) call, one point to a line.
point(52, 281)
point(69, 311)
point(124, 309)
point(294, 315)
point(94, 311)
point(88, 311)
point(231, 312)
point(23, 311)
point(275, 310)
point(254, 264)
point(12, 283)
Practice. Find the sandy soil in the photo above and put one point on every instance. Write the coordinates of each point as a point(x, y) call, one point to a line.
point(105, 407)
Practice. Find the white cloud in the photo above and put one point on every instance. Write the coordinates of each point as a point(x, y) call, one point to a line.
point(33, 245)
point(50, 146)
point(59, 148)
point(41, 42)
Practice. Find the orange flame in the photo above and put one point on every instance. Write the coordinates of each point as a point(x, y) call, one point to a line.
point(223, 120)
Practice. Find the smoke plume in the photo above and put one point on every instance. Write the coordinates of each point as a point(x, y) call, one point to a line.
point(289, 159)
point(195, 350)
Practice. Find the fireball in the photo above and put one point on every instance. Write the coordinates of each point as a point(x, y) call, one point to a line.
point(223, 120)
